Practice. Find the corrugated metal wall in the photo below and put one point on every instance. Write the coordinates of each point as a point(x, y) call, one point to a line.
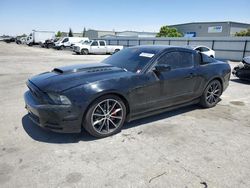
point(232, 48)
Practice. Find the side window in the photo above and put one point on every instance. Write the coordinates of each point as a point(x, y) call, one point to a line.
point(198, 49)
point(95, 43)
point(204, 49)
point(65, 40)
point(186, 59)
point(177, 59)
point(102, 43)
point(171, 59)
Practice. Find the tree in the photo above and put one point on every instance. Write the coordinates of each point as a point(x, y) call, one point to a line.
point(166, 31)
point(70, 33)
point(59, 34)
point(243, 33)
point(23, 35)
point(84, 32)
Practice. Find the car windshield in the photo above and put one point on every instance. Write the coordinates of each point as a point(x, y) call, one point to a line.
point(88, 42)
point(131, 59)
point(60, 40)
point(85, 42)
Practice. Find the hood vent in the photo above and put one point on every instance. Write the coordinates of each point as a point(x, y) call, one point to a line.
point(89, 69)
point(100, 69)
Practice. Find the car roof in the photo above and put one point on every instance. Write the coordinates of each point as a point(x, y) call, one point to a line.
point(159, 48)
point(195, 46)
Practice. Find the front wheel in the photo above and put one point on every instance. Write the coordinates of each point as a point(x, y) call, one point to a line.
point(211, 94)
point(84, 52)
point(105, 116)
point(61, 47)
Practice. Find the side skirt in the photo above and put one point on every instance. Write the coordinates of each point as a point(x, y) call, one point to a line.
point(161, 110)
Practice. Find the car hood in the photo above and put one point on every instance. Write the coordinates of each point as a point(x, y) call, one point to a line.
point(64, 78)
point(82, 45)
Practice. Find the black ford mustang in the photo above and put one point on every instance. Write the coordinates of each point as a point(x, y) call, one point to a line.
point(131, 84)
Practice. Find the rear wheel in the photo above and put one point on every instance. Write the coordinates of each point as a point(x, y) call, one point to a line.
point(84, 52)
point(50, 46)
point(211, 94)
point(105, 116)
point(62, 47)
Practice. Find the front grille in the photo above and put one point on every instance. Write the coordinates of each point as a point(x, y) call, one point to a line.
point(76, 48)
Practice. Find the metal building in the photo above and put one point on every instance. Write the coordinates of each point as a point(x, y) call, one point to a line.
point(94, 34)
point(211, 29)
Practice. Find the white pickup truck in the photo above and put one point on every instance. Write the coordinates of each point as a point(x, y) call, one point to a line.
point(95, 47)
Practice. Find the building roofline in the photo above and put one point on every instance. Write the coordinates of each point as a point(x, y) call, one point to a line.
point(137, 31)
point(101, 30)
point(209, 23)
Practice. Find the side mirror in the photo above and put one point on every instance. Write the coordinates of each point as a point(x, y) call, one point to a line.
point(162, 68)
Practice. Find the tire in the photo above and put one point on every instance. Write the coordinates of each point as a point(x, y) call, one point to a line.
point(211, 56)
point(211, 95)
point(101, 124)
point(62, 48)
point(84, 52)
point(50, 46)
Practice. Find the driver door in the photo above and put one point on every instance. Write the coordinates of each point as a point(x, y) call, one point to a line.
point(178, 84)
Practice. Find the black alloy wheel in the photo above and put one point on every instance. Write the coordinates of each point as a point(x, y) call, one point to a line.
point(211, 95)
point(105, 117)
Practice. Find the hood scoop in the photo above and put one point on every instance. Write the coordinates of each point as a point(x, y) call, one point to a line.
point(80, 68)
point(57, 70)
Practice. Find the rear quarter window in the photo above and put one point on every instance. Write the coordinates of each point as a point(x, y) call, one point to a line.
point(102, 43)
point(206, 59)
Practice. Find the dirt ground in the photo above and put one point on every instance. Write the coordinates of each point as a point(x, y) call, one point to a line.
point(188, 147)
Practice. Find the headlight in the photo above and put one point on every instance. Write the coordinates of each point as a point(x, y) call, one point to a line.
point(59, 99)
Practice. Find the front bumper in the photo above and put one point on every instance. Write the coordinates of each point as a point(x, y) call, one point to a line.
point(76, 49)
point(57, 118)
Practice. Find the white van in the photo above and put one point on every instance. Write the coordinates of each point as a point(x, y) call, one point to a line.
point(69, 42)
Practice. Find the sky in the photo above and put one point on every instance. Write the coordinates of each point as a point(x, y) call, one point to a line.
point(22, 16)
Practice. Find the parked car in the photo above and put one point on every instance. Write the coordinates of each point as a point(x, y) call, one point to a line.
point(68, 42)
point(21, 40)
point(36, 37)
point(96, 47)
point(242, 71)
point(50, 43)
point(205, 50)
point(9, 39)
point(133, 83)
